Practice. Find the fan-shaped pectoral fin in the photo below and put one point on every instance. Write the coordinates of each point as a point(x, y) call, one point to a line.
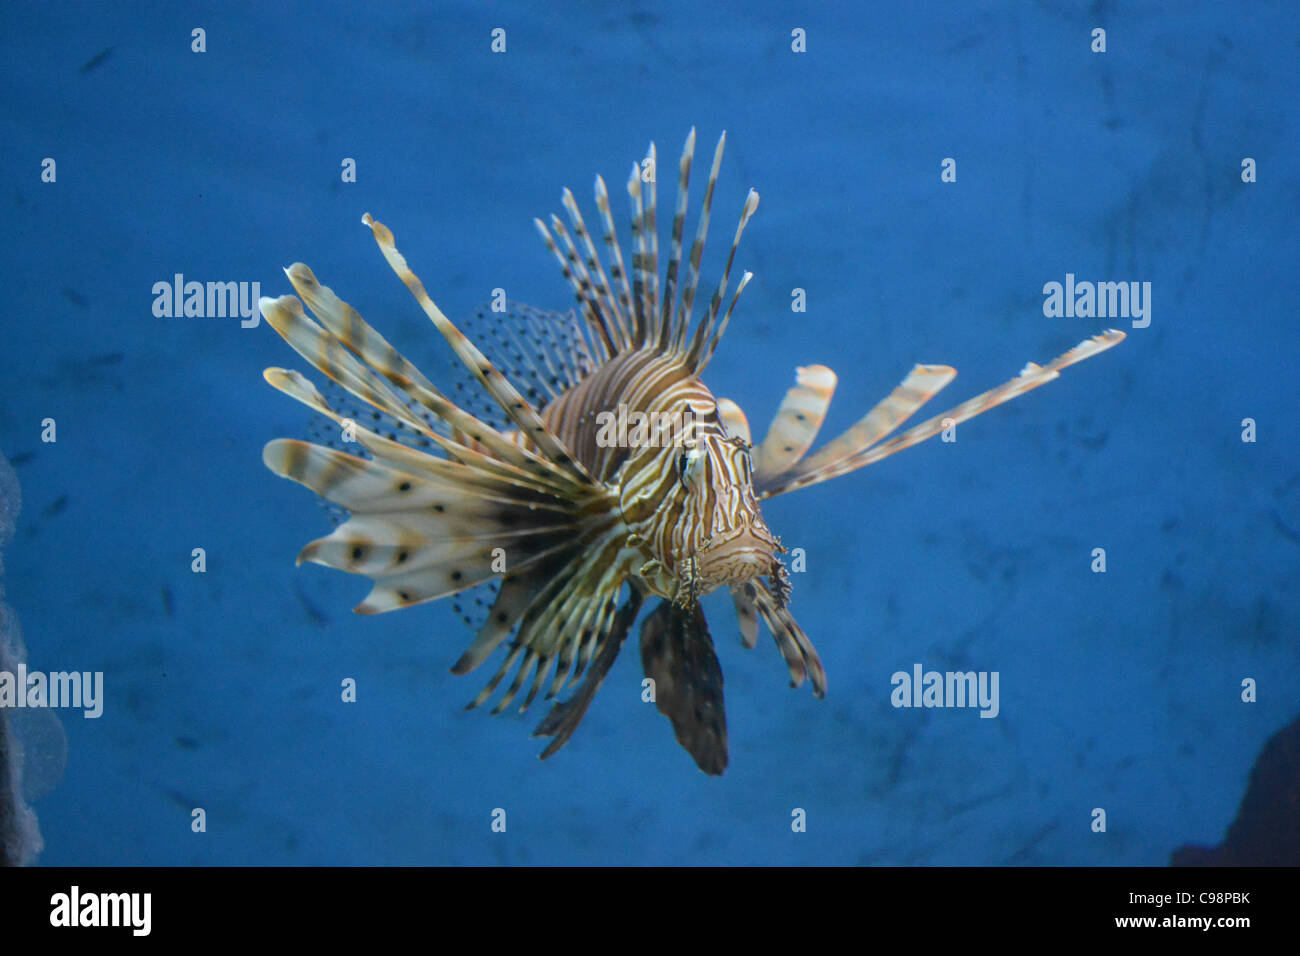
point(565, 716)
point(862, 444)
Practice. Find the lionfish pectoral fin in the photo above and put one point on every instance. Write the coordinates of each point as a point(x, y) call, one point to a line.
point(512, 403)
point(746, 616)
point(677, 654)
point(797, 421)
point(565, 716)
point(795, 646)
point(734, 420)
point(861, 445)
point(780, 459)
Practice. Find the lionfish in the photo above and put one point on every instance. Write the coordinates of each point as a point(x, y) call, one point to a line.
point(540, 501)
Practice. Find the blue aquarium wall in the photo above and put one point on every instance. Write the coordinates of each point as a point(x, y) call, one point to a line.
point(926, 172)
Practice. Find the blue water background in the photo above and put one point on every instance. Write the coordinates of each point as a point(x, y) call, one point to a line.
point(1119, 691)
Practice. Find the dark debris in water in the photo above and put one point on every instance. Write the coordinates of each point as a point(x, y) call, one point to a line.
point(98, 60)
point(55, 507)
point(314, 613)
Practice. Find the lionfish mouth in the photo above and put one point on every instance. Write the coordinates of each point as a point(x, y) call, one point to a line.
point(741, 557)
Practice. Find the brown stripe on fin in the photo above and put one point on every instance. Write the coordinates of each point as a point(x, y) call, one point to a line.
point(468, 466)
point(511, 402)
point(650, 231)
point(517, 592)
point(710, 329)
point(565, 716)
point(571, 616)
point(324, 351)
point(667, 331)
point(734, 420)
point(796, 423)
point(604, 290)
point(379, 545)
point(374, 487)
point(920, 385)
point(746, 615)
point(697, 247)
point(640, 253)
point(699, 361)
point(591, 578)
point(617, 268)
point(800, 655)
point(344, 323)
point(594, 623)
point(813, 470)
point(328, 354)
point(453, 565)
point(607, 335)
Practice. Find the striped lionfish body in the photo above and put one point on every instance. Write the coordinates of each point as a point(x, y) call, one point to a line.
point(577, 521)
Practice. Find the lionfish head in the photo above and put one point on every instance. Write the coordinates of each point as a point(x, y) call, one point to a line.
point(734, 544)
point(705, 530)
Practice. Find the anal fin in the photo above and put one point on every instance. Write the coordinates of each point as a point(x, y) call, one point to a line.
point(677, 654)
